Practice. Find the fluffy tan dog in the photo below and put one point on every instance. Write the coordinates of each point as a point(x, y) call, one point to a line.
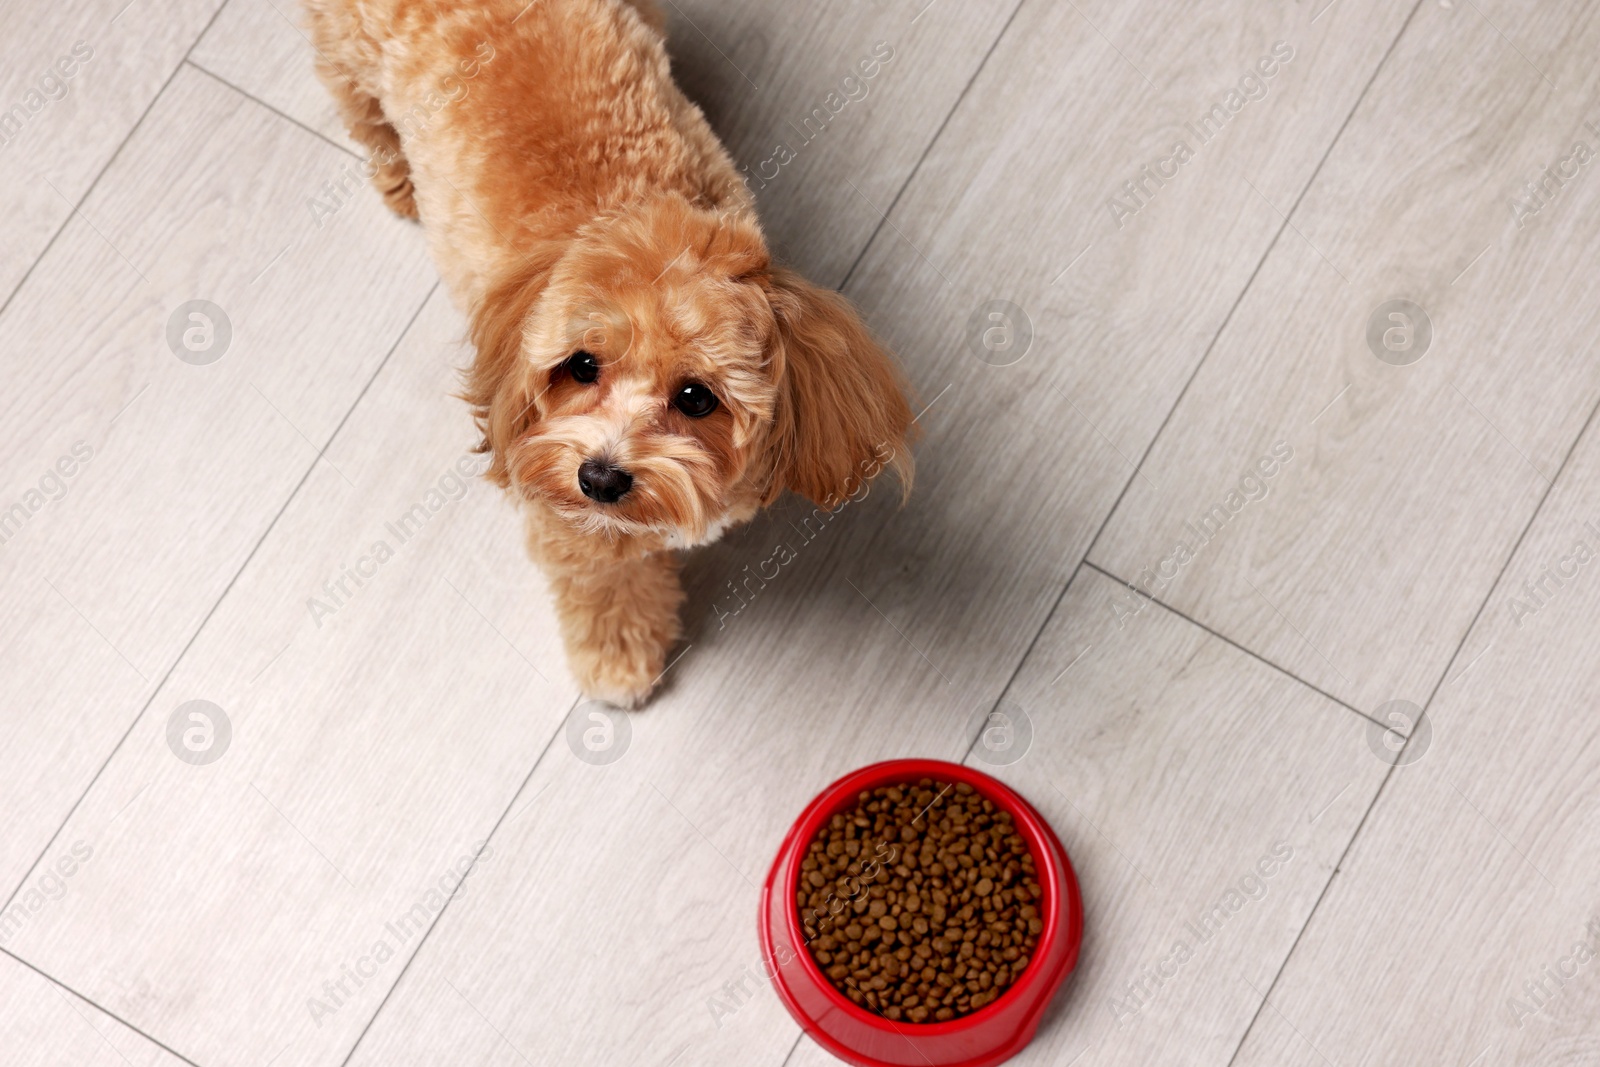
point(645, 375)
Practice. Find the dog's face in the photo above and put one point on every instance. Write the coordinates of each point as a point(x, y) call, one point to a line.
point(656, 374)
point(653, 386)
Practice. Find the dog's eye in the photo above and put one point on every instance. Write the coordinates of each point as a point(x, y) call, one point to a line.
point(583, 367)
point(695, 400)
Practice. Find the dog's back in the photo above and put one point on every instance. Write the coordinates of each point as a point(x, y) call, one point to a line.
point(512, 123)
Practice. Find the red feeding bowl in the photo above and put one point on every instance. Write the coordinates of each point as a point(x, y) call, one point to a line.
point(989, 1035)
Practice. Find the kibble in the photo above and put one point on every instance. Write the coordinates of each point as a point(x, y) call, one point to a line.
point(920, 904)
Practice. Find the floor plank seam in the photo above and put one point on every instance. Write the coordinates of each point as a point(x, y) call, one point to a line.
point(1250, 282)
point(1138, 468)
point(324, 138)
point(1432, 696)
point(860, 256)
point(110, 161)
point(1221, 329)
point(937, 133)
point(199, 629)
point(488, 839)
point(793, 1048)
point(1143, 459)
point(1015, 671)
point(1252, 653)
point(1550, 486)
point(1332, 875)
point(100, 1008)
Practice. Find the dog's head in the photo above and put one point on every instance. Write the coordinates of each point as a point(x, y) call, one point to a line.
point(658, 371)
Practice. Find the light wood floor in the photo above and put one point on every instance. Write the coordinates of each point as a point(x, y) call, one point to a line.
point(1360, 532)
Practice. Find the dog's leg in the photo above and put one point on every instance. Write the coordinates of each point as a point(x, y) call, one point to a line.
point(364, 118)
point(619, 619)
point(346, 61)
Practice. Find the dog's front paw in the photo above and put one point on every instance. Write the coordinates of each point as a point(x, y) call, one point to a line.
point(619, 619)
point(621, 667)
point(625, 685)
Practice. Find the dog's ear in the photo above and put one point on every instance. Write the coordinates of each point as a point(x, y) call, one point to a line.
point(500, 384)
point(842, 414)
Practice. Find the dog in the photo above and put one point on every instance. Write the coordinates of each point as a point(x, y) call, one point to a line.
point(645, 376)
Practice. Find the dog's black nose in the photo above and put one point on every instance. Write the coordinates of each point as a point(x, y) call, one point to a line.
point(603, 482)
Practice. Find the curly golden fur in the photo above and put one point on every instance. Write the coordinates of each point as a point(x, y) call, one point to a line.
point(585, 218)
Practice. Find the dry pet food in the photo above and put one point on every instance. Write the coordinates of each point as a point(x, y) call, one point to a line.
point(921, 903)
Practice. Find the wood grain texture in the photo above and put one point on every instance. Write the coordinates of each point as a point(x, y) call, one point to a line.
point(1362, 567)
point(377, 737)
point(60, 125)
point(1477, 869)
point(110, 568)
point(44, 1025)
point(1130, 749)
point(618, 911)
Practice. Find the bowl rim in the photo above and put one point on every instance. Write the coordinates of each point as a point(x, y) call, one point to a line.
point(1061, 918)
